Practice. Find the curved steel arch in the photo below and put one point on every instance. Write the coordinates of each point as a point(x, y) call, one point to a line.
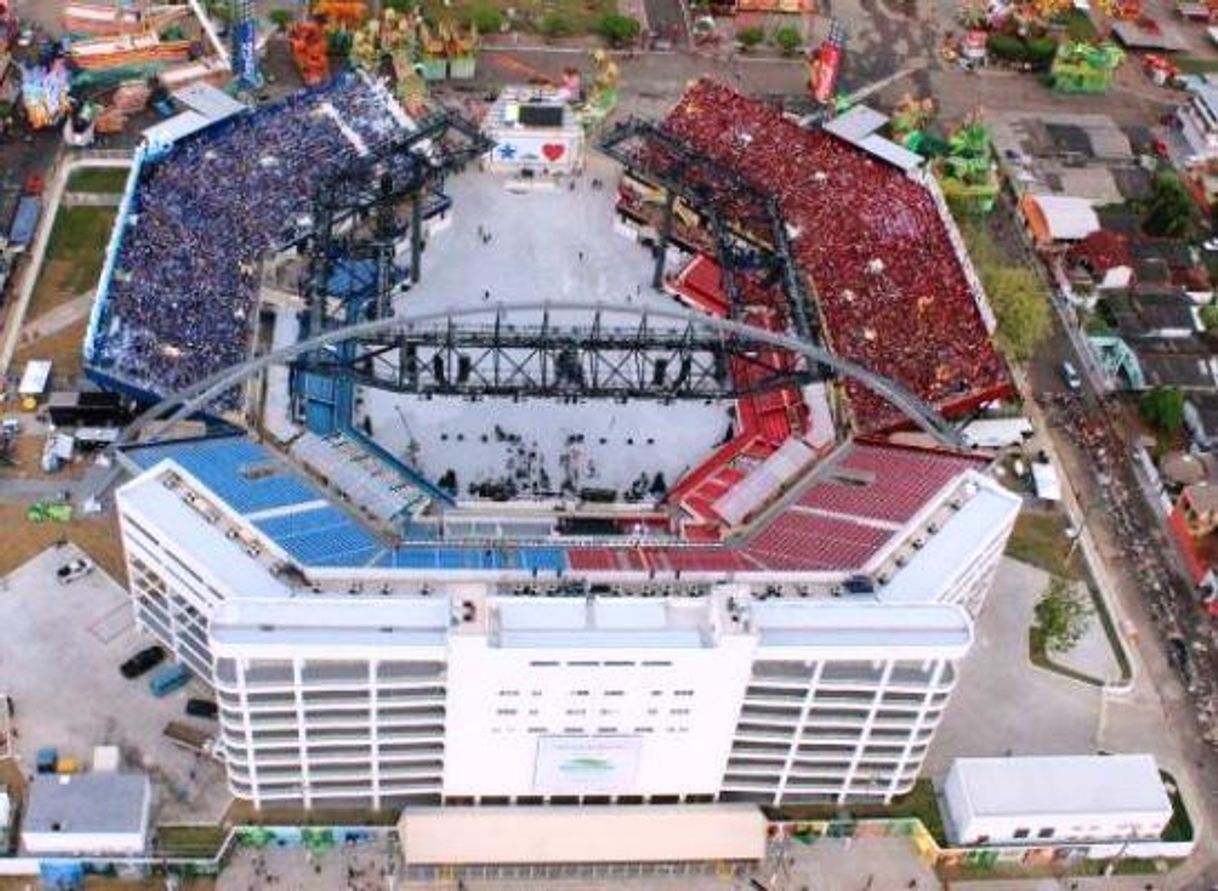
point(198, 395)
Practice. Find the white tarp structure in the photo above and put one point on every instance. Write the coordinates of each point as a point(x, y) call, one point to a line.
point(503, 835)
point(35, 378)
point(1064, 218)
point(765, 482)
point(1045, 478)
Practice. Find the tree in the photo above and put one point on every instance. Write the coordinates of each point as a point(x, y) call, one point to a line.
point(619, 29)
point(1163, 409)
point(555, 24)
point(788, 40)
point(750, 37)
point(1171, 211)
point(280, 18)
point(1063, 615)
point(1209, 316)
point(487, 19)
point(1021, 308)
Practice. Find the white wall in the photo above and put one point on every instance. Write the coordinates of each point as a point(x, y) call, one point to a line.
point(691, 705)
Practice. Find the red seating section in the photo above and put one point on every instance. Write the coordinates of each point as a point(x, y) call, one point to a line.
point(890, 289)
point(797, 540)
point(885, 482)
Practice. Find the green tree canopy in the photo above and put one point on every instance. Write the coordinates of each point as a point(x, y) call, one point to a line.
point(619, 29)
point(750, 37)
point(1063, 615)
point(1163, 409)
point(280, 18)
point(1171, 211)
point(788, 39)
point(487, 19)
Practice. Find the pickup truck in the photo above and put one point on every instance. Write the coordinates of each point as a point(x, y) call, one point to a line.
point(192, 739)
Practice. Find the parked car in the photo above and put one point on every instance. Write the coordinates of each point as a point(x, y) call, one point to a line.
point(143, 661)
point(73, 570)
point(168, 678)
point(201, 708)
point(1070, 376)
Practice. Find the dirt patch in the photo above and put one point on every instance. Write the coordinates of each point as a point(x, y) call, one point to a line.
point(62, 348)
point(27, 463)
point(97, 536)
point(55, 285)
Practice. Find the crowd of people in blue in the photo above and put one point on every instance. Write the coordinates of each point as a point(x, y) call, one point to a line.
point(185, 284)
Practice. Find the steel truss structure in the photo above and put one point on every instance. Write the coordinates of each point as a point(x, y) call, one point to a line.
point(718, 195)
point(356, 222)
point(544, 360)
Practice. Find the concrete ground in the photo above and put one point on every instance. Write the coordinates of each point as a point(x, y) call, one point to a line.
point(60, 650)
point(1042, 712)
point(1092, 655)
point(827, 865)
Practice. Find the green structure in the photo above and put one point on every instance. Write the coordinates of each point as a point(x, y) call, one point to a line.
point(1085, 67)
point(967, 173)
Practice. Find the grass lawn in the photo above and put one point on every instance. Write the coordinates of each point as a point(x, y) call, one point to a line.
point(189, 841)
point(555, 18)
point(1040, 540)
point(99, 180)
point(74, 257)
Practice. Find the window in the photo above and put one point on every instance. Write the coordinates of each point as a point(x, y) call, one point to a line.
point(683, 693)
point(577, 711)
point(1020, 833)
point(505, 711)
point(614, 693)
point(1047, 832)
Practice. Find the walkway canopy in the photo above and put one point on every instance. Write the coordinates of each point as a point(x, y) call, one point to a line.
point(602, 834)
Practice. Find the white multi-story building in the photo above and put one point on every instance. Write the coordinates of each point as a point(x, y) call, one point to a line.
point(808, 659)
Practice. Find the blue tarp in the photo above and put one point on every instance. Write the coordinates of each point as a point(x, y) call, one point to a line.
point(21, 233)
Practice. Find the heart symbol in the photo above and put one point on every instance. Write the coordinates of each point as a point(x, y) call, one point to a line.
point(553, 150)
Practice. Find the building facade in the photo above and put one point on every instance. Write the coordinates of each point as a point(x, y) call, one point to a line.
point(457, 683)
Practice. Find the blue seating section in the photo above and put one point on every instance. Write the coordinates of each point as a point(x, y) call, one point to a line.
point(423, 557)
point(322, 537)
point(247, 478)
point(239, 472)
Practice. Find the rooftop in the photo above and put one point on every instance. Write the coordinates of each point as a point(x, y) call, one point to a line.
point(1062, 784)
point(87, 803)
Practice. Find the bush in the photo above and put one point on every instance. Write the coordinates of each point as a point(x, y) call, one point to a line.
point(750, 37)
point(1003, 46)
point(1080, 28)
point(280, 18)
point(1209, 316)
point(788, 39)
point(555, 24)
point(1040, 51)
point(1163, 409)
point(487, 19)
point(619, 29)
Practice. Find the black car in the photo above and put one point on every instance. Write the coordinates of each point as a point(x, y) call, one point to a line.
point(201, 708)
point(146, 659)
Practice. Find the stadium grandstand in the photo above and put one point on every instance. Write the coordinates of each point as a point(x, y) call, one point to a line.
point(180, 288)
point(893, 286)
point(485, 589)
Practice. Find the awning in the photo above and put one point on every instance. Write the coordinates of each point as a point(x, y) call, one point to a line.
point(455, 836)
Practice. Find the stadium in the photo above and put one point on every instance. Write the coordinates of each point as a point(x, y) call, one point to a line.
point(516, 484)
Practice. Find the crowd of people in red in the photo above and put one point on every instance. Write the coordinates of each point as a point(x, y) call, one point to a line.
point(889, 286)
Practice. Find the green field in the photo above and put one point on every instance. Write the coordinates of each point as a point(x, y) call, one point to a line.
point(79, 239)
point(99, 180)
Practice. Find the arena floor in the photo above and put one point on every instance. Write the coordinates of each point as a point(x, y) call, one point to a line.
point(555, 244)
